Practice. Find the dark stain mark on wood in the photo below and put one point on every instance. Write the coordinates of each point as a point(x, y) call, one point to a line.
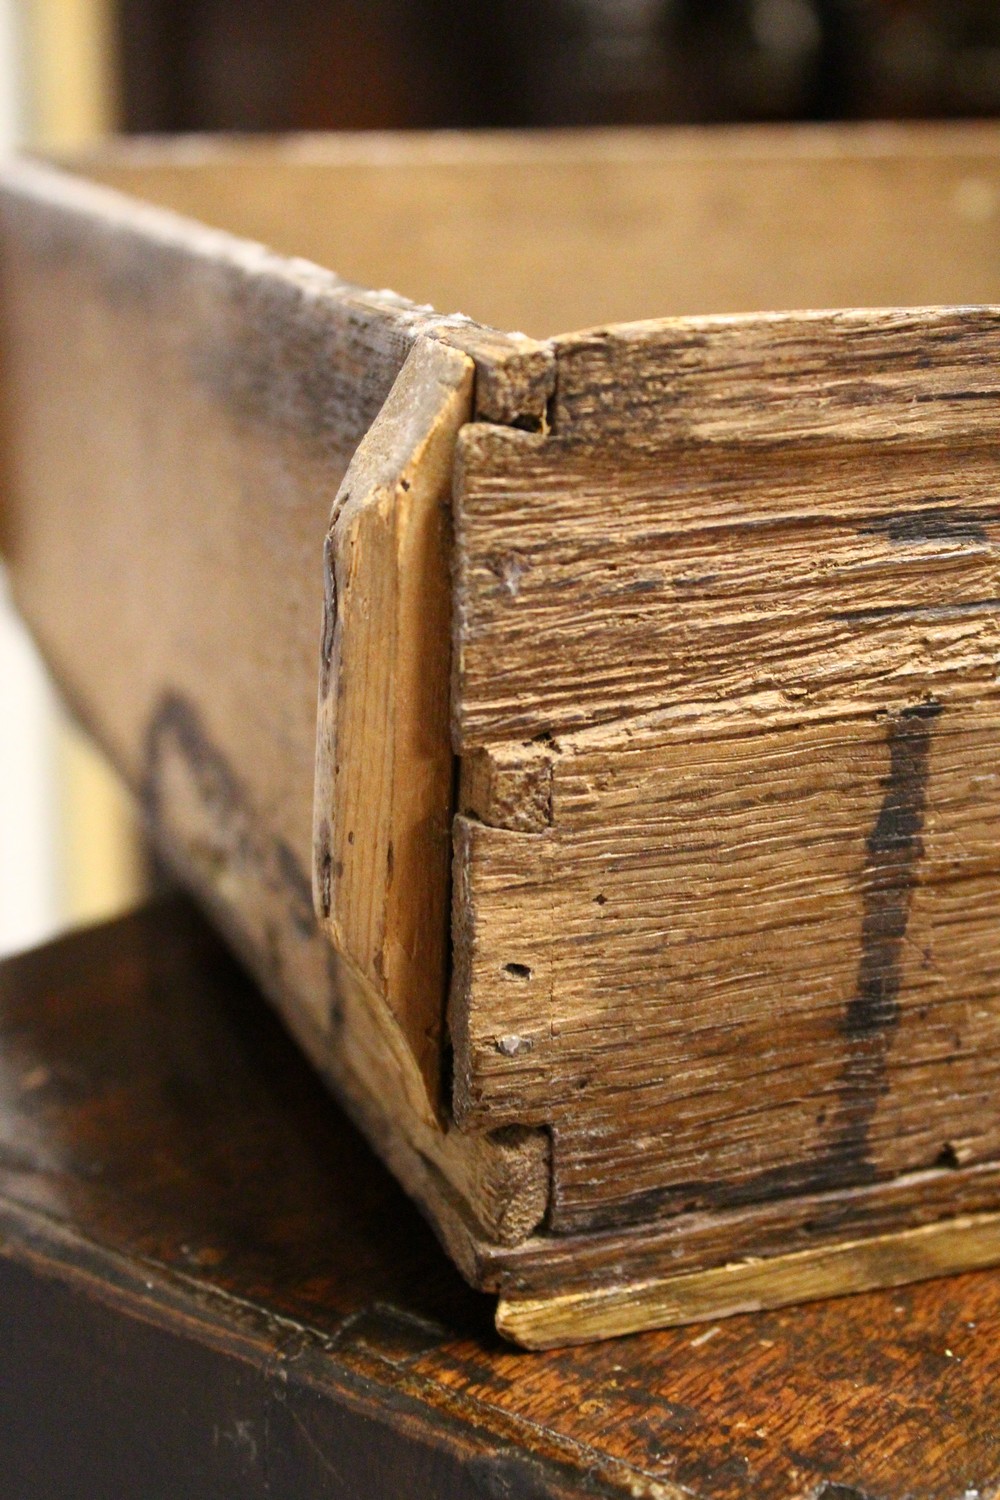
point(929, 398)
point(199, 808)
point(329, 615)
point(298, 888)
point(841, 1492)
point(326, 872)
point(176, 730)
point(938, 523)
point(893, 850)
point(918, 611)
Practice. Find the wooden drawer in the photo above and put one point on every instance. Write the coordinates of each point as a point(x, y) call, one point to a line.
point(634, 877)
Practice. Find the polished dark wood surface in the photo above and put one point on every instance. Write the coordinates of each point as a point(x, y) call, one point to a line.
point(210, 1288)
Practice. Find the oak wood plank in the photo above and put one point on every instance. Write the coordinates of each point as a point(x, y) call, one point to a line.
point(383, 777)
point(165, 541)
point(751, 566)
point(792, 990)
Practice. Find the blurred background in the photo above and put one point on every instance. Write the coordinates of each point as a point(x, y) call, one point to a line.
point(71, 71)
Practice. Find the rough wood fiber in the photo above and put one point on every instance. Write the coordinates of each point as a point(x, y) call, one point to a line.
point(807, 1276)
point(383, 760)
point(794, 988)
point(728, 508)
point(550, 1264)
point(725, 609)
point(755, 951)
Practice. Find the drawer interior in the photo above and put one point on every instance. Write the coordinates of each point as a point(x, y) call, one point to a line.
point(547, 233)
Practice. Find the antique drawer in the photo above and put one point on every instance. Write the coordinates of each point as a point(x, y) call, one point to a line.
point(634, 875)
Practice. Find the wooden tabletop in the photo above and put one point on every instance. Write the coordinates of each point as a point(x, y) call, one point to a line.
point(210, 1288)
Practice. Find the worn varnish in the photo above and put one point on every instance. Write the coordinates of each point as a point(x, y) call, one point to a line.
point(200, 1257)
point(663, 652)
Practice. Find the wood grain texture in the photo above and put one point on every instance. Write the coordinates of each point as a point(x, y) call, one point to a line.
point(200, 1257)
point(725, 606)
point(180, 408)
point(742, 599)
point(805, 1276)
point(796, 989)
point(756, 1230)
point(796, 506)
point(384, 771)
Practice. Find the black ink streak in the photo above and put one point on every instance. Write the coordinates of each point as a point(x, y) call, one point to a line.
point(939, 523)
point(893, 849)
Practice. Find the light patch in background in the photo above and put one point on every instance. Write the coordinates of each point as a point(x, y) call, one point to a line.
point(30, 895)
point(11, 67)
point(29, 881)
point(70, 851)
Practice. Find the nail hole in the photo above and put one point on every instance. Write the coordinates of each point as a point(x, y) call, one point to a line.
point(513, 1046)
point(517, 971)
point(600, 899)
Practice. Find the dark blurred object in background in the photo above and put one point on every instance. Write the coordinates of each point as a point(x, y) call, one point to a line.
point(346, 64)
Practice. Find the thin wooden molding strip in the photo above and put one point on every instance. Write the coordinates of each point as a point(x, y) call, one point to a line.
point(965, 1244)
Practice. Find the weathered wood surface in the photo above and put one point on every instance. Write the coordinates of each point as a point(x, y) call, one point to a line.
point(743, 600)
point(207, 1287)
point(724, 976)
point(383, 787)
point(796, 991)
point(797, 505)
point(180, 408)
point(893, 1260)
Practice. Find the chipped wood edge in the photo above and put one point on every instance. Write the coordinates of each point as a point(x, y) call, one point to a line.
point(951, 1245)
point(383, 802)
point(383, 758)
